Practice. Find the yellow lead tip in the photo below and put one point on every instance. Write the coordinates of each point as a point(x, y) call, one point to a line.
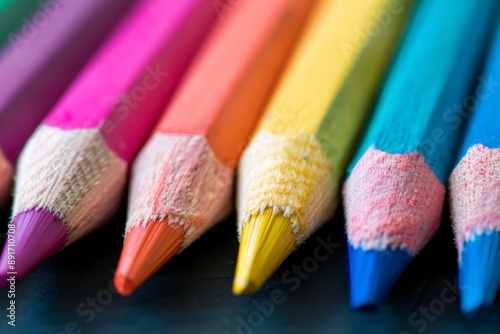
point(266, 241)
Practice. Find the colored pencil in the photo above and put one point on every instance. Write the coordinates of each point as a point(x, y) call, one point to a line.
point(14, 13)
point(73, 170)
point(394, 194)
point(474, 188)
point(36, 70)
point(182, 180)
point(289, 175)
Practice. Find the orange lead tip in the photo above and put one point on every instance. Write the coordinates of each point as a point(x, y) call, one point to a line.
point(147, 248)
point(123, 285)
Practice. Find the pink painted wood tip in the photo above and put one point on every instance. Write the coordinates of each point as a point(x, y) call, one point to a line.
point(392, 201)
point(475, 193)
point(32, 237)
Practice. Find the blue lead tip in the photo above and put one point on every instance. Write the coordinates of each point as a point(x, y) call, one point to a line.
point(479, 272)
point(373, 274)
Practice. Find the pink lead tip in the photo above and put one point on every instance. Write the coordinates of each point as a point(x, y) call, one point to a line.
point(32, 237)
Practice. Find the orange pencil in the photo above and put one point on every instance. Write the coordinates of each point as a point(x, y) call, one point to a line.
point(182, 180)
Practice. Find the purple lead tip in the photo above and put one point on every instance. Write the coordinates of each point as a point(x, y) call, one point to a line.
point(33, 236)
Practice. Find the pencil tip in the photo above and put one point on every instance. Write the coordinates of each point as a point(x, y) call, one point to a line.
point(124, 285)
point(36, 235)
point(479, 272)
point(266, 241)
point(373, 274)
point(242, 287)
point(147, 247)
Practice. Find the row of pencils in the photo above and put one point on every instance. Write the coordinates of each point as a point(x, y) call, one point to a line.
point(390, 103)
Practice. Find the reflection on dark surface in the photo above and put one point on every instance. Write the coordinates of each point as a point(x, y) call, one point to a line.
point(192, 293)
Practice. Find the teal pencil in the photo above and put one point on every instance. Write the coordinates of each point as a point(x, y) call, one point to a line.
point(15, 13)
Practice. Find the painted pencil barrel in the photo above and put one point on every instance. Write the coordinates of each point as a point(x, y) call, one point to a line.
point(14, 13)
point(40, 61)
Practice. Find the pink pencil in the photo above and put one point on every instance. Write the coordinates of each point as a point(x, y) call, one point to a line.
point(39, 63)
point(72, 173)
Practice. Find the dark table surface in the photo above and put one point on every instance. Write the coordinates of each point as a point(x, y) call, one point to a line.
point(72, 292)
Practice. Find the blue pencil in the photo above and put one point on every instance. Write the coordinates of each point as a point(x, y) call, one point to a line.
point(475, 193)
point(395, 190)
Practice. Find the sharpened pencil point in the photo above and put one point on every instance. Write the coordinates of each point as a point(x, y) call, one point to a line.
point(479, 272)
point(147, 248)
point(38, 234)
point(373, 274)
point(266, 241)
point(123, 285)
point(243, 288)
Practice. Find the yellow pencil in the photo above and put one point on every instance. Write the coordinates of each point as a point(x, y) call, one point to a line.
point(290, 174)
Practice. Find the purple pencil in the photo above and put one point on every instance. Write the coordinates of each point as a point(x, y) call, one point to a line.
point(40, 61)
